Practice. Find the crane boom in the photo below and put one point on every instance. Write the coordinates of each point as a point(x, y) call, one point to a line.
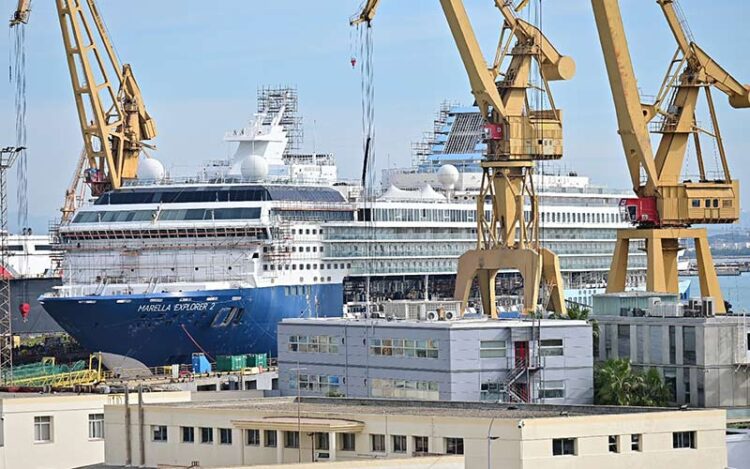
point(631, 118)
point(21, 15)
point(739, 94)
point(114, 121)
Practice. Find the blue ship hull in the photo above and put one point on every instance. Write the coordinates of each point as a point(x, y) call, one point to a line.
point(162, 328)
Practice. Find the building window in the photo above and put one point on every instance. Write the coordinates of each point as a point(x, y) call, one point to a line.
point(688, 345)
point(207, 435)
point(377, 443)
point(490, 391)
point(670, 381)
point(314, 344)
point(623, 340)
point(454, 446)
point(614, 444)
point(406, 389)
point(252, 437)
point(158, 432)
point(270, 436)
point(552, 390)
point(348, 441)
point(291, 439)
point(492, 348)
point(399, 443)
point(563, 446)
point(404, 348)
point(551, 347)
point(328, 385)
point(421, 444)
point(188, 434)
point(695, 203)
point(96, 426)
point(635, 442)
point(672, 346)
point(225, 436)
point(683, 440)
point(322, 441)
point(42, 429)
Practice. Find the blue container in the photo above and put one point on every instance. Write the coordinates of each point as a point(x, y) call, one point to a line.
point(201, 364)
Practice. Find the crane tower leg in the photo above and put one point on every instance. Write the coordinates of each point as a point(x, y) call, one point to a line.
point(509, 240)
point(662, 248)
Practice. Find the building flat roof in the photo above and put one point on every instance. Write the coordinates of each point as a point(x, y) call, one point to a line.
point(311, 406)
point(454, 324)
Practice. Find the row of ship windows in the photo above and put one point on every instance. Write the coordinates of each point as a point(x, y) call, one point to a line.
point(412, 233)
point(195, 214)
point(443, 215)
point(293, 249)
point(567, 217)
point(273, 267)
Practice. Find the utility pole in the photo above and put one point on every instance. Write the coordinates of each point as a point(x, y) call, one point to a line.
point(8, 156)
point(299, 415)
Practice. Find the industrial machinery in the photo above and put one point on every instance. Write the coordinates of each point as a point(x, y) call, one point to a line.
point(8, 157)
point(113, 119)
point(666, 205)
point(517, 135)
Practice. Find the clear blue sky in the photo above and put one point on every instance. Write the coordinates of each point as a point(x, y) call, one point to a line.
point(199, 65)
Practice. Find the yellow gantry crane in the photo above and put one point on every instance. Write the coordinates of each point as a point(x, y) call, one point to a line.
point(666, 206)
point(113, 118)
point(517, 136)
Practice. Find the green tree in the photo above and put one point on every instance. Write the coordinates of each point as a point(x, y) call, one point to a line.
point(616, 383)
point(655, 393)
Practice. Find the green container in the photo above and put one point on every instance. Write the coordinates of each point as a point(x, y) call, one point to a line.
point(230, 362)
point(256, 359)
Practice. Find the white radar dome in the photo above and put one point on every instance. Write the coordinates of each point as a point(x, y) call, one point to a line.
point(448, 176)
point(254, 168)
point(151, 169)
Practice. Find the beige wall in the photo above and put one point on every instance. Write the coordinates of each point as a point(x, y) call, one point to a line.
point(70, 445)
point(520, 444)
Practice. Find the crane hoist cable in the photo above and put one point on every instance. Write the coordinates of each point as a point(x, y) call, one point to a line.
point(367, 90)
point(17, 76)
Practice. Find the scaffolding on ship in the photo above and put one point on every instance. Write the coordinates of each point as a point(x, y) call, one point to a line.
point(271, 99)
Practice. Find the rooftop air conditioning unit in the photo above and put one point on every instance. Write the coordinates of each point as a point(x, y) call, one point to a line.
point(432, 316)
point(450, 316)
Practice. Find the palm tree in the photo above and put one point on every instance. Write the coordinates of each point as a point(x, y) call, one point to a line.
point(615, 383)
point(655, 392)
point(575, 311)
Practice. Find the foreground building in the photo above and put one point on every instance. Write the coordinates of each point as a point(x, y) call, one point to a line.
point(59, 430)
point(513, 360)
point(283, 430)
point(704, 359)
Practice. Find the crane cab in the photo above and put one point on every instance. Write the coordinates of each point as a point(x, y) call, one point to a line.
point(640, 211)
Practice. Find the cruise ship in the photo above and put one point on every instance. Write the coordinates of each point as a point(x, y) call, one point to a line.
point(168, 266)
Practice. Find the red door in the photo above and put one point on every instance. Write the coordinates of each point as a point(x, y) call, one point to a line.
point(522, 353)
